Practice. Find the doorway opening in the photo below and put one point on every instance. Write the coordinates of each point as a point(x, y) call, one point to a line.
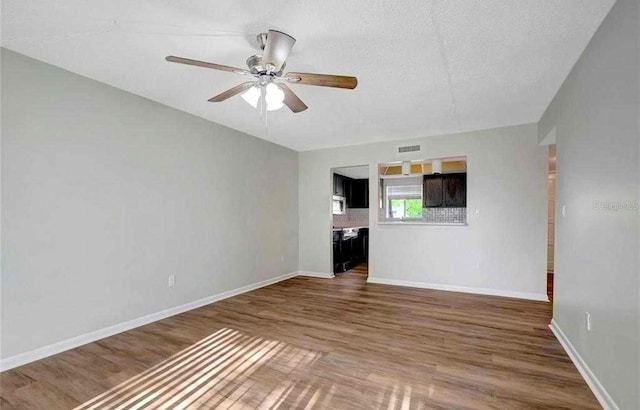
point(350, 222)
point(551, 186)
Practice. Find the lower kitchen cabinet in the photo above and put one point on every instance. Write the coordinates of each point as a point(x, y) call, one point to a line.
point(364, 244)
point(349, 252)
point(337, 236)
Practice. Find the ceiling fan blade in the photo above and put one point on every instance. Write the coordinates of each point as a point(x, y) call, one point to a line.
point(232, 91)
point(277, 49)
point(291, 100)
point(322, 80)
point(188, 61)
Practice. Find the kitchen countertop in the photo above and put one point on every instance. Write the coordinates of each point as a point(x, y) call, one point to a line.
point(336, 228)
point(423, 223)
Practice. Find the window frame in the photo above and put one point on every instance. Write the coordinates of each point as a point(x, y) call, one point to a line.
point(389, 197)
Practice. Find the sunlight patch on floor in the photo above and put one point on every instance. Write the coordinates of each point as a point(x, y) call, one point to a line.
point(215, 372)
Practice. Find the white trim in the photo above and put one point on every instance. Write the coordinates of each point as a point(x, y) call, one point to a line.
point(480, 291)
point(594, 384)
point(316, 274)
point(59, 347)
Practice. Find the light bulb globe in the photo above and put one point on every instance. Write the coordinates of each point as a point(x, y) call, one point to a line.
point(274, 97)
point(251, 96)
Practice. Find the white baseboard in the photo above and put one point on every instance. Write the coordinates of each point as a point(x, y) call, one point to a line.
point(480, 291)
point(59, 347)
point(316, 274)
point(594, 384)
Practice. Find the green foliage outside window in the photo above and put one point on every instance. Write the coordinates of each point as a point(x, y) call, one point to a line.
point(413, 208)
point(406, 208)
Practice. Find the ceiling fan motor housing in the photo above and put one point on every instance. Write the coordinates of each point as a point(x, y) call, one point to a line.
point(255, 65)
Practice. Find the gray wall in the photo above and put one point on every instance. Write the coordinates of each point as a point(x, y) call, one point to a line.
point(596, 269)
point(501, 251)
point(106, 194)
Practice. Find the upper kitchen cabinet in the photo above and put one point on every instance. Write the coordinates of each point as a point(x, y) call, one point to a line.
point(454, 190)
point(356, 191)
point(340, 185)
point(445, 190)
point(432, 195)
point(358, 194)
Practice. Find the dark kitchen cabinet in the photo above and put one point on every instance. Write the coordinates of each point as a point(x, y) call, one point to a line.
point(454, 190)
point(445, 190)
point(346, 259)
point(432, 195)
point(363, 236)
point(337, 251)
point(349, 251)
point(340, 185)
point(356, 249)
point(356, 191)
point(358, 195)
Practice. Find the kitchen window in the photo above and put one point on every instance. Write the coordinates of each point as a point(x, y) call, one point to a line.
point(404, 201)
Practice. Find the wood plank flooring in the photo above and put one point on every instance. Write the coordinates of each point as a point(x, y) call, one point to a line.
point(318, 343)
point(360, 269)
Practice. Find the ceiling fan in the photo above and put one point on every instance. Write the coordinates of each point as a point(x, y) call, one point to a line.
point(268, 86)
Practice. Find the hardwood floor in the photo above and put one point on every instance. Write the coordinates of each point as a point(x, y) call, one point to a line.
point(360, 269)
point(319, 343)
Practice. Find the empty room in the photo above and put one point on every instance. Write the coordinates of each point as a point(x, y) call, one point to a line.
point(320, 205)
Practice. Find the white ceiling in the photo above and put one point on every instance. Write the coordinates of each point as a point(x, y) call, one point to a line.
point(424, 67)
point(360, 172)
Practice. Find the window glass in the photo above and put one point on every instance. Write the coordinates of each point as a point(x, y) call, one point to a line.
point(404, 201)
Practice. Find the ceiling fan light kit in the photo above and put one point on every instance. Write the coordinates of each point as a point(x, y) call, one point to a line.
point(269, 84)
point(273, 96)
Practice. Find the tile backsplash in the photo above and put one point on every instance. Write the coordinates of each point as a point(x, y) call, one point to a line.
point(445, 215)
point(360, 217)
point(340, 221)
point(353, 217)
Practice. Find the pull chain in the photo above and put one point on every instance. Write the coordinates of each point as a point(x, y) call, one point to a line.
point(263, 109)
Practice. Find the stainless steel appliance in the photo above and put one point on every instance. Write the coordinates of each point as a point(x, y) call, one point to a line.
point(349, 233)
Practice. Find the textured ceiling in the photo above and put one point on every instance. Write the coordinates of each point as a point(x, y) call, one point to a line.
point(353, 172)
point(424, 67)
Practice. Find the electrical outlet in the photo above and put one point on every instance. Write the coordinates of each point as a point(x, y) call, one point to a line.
point(587, 318)
point(564, 211)
point(172, 281)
